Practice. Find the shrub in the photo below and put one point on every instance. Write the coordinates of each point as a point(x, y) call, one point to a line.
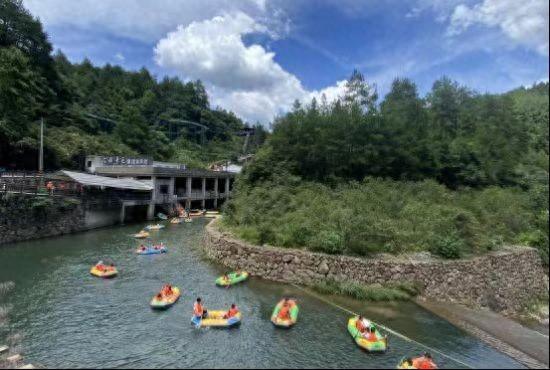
point(449, 247)
point(386, 216)
point(327, 241)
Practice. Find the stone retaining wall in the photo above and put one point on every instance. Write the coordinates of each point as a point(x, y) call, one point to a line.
point(21, 219)
point(502, 281)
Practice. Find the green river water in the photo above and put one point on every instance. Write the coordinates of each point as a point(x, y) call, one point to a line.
point(68, 318)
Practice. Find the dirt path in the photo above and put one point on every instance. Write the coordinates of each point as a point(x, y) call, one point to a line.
point(525, 345)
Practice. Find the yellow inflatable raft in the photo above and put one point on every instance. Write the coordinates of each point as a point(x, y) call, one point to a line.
point(215, 319)
point(166, 301)
point(141, 235)
point(105, 273)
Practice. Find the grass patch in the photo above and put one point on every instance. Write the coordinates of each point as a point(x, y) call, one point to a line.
point(373, 292)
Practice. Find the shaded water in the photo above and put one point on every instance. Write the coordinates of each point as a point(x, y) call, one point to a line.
point(71, 319)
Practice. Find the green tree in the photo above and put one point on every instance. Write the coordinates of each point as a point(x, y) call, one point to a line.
point(23, 93)
point(359, 92)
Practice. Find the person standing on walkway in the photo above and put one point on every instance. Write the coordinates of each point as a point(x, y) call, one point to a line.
point(50, 187)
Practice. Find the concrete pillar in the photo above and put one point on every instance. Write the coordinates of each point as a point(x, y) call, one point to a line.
point(203, 200)
point(188, 183)
point(153, 202)
point(188, 187)
point(123, 213)
point(172, 186)
point(227, 187)
point(151, 211)
point(216, 194)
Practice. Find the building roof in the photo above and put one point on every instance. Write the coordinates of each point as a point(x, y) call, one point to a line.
point(110, 182)
point(160, 171)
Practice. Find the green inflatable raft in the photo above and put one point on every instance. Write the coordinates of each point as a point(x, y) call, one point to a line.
point(378, 343)
point(232, 278)
point(285, 322)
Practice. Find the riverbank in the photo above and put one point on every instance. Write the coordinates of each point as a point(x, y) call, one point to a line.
point(503, 281)
point(530, 347)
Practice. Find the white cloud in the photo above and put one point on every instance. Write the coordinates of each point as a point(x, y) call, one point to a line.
point(120, 57)
point(142, 20)
point(524, 22)
point(243, 78)
point(331, 93)
point(213, 50)
point(439, 8)
point(199, 40)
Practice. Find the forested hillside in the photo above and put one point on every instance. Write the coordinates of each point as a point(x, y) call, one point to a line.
point(103, 110)
point(454, 172)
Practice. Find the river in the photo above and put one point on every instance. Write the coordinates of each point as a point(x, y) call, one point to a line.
point(70, 319)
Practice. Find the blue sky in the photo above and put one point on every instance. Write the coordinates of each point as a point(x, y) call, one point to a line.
point(257, 56)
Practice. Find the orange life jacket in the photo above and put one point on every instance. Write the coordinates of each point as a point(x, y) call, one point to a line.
point(371, 337)
point(359, 325)
point(423, 363)
point(197, 309)
point(232, 312)
point(284, 313)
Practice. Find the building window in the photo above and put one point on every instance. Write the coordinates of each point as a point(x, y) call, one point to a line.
point(89, 164)
point(163, 189)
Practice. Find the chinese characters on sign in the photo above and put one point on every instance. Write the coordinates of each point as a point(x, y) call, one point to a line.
point(126, 161)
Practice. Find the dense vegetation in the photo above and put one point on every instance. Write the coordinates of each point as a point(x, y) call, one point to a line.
point(455, 173)
point(97, 110)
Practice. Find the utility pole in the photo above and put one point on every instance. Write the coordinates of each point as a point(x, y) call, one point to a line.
point(40, 180)
point(41, 154)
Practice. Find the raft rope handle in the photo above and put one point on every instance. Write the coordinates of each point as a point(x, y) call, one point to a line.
point(384, 327)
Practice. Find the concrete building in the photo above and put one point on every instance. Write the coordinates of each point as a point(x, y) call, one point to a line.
point(171, 183)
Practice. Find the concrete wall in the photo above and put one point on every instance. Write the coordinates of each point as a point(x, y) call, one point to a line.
point(101, 218)
point(504, 281)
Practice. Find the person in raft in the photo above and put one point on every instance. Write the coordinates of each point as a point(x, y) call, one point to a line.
point(407, 364)
point(100, 266)
point(167, 290)
point(370, 334)
point(362, 324)
point(142, 248)
point(424, 362)
point(284, 312)
point(198, 310)
point(233, 311)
